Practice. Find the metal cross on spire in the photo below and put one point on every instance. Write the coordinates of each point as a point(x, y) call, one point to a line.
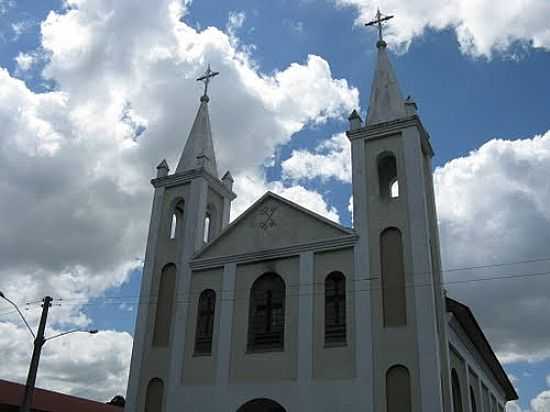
point(205, 78)
point(378, 21)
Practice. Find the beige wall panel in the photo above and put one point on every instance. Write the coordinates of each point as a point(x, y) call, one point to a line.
point(267, 366)
point(201, 369)
point(271, 224)
point(332, 362)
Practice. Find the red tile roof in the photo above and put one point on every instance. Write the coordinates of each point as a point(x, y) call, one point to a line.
point(11, 393)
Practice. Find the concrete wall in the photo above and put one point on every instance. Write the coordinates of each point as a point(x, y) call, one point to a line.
point(472, 372)
point(336, 362)
point(201, 369)
point(270, 366)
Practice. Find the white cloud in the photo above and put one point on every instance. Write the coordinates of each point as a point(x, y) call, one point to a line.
point(480, 27)
point(90, 366)
point(76, 162)
point(20, 28)
point(493, 208)
point(250, 186)
point(541, 403)
point(330, 159)
point(25, 61)
point(497, 196)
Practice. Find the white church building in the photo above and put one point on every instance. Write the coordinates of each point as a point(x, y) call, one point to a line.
point(284, 310)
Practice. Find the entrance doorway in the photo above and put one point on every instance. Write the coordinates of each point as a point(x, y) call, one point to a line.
point(261, 405)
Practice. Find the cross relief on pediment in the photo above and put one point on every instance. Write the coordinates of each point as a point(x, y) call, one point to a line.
point(266, 217)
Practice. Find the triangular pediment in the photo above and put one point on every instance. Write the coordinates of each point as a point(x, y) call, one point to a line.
point(271, 223)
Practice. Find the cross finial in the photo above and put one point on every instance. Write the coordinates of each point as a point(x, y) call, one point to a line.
point(378, 21)
point(205, 78)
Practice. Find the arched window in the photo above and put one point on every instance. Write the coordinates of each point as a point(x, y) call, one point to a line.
point(176, 223)
point(457, 395)
point(393, 278)
point(394, 189)
point(207, 222)
point(473, 399)
point(205, 322)
point(335, 308)
point(165, 303)
point(266, 321)
point(153, 397)
point(387, 175)
point(398, 389)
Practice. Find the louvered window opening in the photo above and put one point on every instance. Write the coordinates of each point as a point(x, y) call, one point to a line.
point(205, 323)
point(335, 309)
point(267, 326)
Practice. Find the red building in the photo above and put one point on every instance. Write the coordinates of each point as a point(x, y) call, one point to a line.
point(11, 395)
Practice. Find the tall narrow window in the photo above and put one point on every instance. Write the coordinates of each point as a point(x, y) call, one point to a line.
point(398, 389)
point(165, 303)
point(394, 189)
point(266, 327)
point(153, 396)
point(387, 175)
point(173, 226)
point(205, 322)
point(206, 234)
point(457, 395)
point(393, 278)
point(335, 309)
point(176, 223)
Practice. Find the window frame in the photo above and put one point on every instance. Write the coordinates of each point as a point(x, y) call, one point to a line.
point(335, 335)
point(273, 287)
point(208, 295)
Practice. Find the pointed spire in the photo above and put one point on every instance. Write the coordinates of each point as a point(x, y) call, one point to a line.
point(199, 148)
point(386, 102)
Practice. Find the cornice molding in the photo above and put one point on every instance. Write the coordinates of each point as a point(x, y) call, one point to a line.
point(340, 242)
point(177, 179)
point(381, 130)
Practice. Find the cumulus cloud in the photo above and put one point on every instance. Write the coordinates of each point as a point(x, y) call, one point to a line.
point(492, 208)
point(497, 197)
point(330, 159)
point(541, 403)
point(252, 186)
point(480, 27)
point(76, 162)
point(24, 61)
point(97, 366)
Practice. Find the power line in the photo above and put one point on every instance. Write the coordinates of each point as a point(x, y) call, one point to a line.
point(136, 301)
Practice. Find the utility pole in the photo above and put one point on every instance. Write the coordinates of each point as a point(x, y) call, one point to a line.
point(38, 343)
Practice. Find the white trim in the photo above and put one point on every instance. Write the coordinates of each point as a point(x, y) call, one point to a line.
point(291, 250)
point(305, 318)
point(227, 297)
point(142, 326)
point(235, 223)
point(485, 376)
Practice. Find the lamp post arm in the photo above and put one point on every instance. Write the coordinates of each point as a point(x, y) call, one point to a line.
point(93, 331)
point(20, 314)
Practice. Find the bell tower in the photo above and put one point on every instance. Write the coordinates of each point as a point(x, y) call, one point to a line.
point(190, 207)
point(398, 247)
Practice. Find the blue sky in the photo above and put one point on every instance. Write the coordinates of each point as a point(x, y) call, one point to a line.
point(467, 95)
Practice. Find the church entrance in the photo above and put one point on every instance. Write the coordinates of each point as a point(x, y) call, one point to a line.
point(261, 405)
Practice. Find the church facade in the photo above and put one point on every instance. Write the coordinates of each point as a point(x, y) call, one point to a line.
point(284, 310)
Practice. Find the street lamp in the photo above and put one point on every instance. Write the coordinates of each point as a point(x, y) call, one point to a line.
point(39, 341)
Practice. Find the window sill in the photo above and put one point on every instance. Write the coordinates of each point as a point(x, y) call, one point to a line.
point(202, 355)
point(252, 351)
point(335, 345)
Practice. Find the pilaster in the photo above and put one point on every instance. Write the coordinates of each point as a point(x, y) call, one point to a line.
point(227, 298)
point(138, 350)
